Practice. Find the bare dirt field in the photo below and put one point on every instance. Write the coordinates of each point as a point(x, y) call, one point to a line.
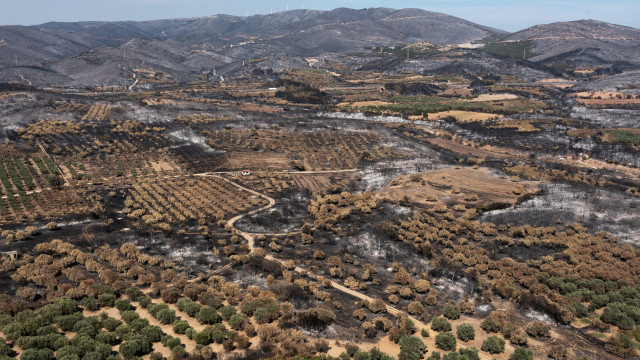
point(465, 116)
point(319, 183)
point(459, 148)
point(259, 108)
point(455, 185)
point(494, 97)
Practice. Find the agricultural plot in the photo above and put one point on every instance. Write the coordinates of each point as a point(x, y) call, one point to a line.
point(321, 150)
point(267, 182)
point(25, 184)
point(607, 99)
point(125, 167)
point(66, 138)
point(193, 159)
point(166, 202)
point(47, 204)
point(113, 152)
point(202, 119)
point(97, 112)
point(59, 107)
point(322, 183)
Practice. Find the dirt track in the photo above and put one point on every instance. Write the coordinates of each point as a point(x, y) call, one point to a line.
point(250, 237)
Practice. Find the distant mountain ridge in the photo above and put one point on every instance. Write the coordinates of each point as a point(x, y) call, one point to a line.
point(308, 31)
point(108, 53)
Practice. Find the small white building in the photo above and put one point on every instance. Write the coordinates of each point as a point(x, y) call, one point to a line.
point(13, 255)
point(245, 172)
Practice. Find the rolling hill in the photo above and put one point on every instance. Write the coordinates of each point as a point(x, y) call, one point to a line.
point(579, 43)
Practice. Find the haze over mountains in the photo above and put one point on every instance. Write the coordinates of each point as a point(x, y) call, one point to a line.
point(103, 53)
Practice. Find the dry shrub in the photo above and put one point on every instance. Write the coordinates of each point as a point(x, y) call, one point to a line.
point(369, 329)
point(382, 323)
point(268, 332)
point(322, 346)
point(538, 329)
point(467, 307)
point(360, 314)
point(377, 306)
point(249, 329)
point(422, 286)
point(415, 308)
point(405, 293)
point(26, 293)
point(351, 283)
point(168, 275)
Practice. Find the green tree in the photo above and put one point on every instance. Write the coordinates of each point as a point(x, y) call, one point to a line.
point(106, 337)
point(100, 352)
point(107, 299)
point(111, 324)
point(66, 305)
point(173, 342)
point(490, 325)
point(135, 346)
point(451, 312)
point(411, 348)
point(50, 313)
point(453, 356)
point(466, 332)
point(440, 324)
point(180, 326)
point(237, 321)
point(493, 345)
point(521, 353)
point(208, 315)
point(470, 353)
point(446, 341)
point(227, 311)
point(67, 353)
point(152, 333)
point(123, 304)
point(37, 354)
point(166, 316)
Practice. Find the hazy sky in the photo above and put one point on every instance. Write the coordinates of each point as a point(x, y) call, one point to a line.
point(510, 15)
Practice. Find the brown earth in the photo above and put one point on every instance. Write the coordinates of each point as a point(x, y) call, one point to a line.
point(440, 185)
point(465, 116)
point(321, 182)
